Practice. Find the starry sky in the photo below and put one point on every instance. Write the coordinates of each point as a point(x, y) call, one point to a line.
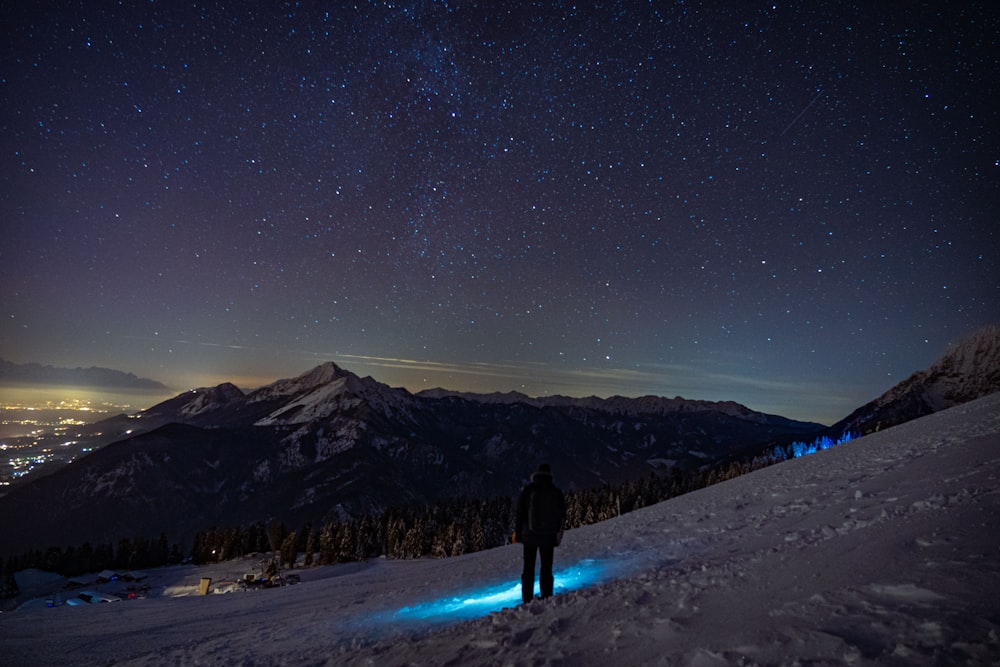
point(790, 205)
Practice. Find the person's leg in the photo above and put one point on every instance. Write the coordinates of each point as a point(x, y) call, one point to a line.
point(528, 573)
point(546, 580)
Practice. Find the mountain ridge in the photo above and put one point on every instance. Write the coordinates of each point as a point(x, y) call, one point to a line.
point(647, 404)
point(94, 376)
point(966, 371)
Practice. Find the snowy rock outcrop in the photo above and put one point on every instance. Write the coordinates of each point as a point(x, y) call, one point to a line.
point(967, 371)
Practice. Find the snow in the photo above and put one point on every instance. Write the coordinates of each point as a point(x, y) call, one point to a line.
point(326, 391)
point(883, 550)
point(318, 403)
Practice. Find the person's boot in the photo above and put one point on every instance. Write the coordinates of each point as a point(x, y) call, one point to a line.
point(546, 584)
point(527, 589)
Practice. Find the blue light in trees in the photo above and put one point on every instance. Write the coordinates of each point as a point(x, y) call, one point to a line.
point(799, 449)
point(482, 601)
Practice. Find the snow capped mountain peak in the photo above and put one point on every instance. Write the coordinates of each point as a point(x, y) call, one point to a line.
point(316, 403)
point(323, 374)
point(326, 390)
point(207, 400)
point(198, 402)
point(320, 375)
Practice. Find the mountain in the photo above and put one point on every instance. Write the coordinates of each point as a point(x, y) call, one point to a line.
point(11, 373)
point(967, 371)
point(329, 443)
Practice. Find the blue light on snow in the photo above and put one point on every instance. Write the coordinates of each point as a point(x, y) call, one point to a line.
point(481, 601)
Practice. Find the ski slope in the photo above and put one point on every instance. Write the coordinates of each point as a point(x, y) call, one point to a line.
point(884, 550)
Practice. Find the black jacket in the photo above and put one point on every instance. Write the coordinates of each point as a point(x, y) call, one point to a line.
point(526, 536)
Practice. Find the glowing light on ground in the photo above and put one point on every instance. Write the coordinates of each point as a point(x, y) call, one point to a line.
point(481, 601)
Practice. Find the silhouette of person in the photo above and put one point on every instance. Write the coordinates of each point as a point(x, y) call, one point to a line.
point(541, 511)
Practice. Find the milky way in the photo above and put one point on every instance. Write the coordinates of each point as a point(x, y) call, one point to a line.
point(792, 206)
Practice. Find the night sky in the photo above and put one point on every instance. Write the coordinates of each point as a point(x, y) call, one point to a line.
point(793, 206)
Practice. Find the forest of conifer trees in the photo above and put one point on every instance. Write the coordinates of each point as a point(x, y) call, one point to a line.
point(445, 529)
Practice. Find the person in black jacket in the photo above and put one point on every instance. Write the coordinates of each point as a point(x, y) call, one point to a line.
point(541, 510)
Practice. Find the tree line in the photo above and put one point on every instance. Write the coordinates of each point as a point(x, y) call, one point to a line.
point(449, 528)
point(440, 530)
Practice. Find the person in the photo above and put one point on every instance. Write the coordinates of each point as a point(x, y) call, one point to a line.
point(541, 511)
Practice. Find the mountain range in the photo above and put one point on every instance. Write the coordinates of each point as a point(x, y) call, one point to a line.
point(329, 444)
point(32, 373)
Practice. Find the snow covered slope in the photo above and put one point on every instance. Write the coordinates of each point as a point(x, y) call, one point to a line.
point(881, 551)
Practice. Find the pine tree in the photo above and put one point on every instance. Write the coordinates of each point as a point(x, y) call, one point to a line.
point(346, 546)
point(52, 559)
point(68, 563)
point(84, 559)
point(254, 539)
point(123, 555)
point(104, 557)
point(413, 542)
point(140, 553)
point(328, 543)
point(8, 584)
point(310, 548)
point(394, 534)
point(442, 538)
point(477, 536)
point(289, 549)
point(162, 556)
point(276, 533)
point(366, 539)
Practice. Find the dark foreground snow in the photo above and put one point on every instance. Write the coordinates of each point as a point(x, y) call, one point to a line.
point(884, 550)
